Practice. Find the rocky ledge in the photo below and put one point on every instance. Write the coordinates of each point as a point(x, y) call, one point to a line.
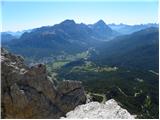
point(96, 110)
point(27, 92)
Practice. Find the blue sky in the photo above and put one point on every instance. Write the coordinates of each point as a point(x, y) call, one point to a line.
point(26, 15)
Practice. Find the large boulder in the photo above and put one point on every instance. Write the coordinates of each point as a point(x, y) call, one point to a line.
point(30, 93)
point(95, 110)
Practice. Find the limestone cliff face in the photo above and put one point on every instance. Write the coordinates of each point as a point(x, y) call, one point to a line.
point(30, 93)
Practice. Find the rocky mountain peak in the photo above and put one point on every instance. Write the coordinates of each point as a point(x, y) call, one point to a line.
point(101, 23)
point(68, 22)
point(101, 26)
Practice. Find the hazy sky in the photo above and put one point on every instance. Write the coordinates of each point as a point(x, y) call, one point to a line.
point(25, 15)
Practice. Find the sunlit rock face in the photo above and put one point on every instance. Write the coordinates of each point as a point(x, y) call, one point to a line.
point(30, 93)
point(96, 110)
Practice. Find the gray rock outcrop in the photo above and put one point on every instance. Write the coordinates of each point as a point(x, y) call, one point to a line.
point(30, 93)
point(96, 110)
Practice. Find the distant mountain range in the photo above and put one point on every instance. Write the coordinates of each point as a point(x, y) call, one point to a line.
point(9, 36)
point(66, 37)
point(128, 29)
point(104, 30)
point(17, 34)
point(138, 48)
point(6, 37)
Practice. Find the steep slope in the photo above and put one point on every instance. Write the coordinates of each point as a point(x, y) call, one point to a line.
point(66, 37)
point(45, 42)
point(103, 31)
point(6, 37)
point(30, 93)
point(138, 50)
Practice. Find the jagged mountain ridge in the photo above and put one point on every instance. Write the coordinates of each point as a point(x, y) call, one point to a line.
point(66, 37)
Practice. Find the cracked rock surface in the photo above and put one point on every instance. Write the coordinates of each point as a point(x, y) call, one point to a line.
point(29, 93)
